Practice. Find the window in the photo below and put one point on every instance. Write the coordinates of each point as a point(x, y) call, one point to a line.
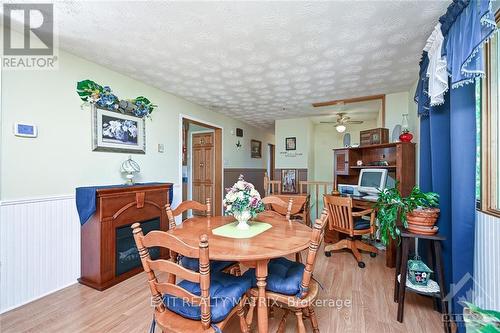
point(489, 132)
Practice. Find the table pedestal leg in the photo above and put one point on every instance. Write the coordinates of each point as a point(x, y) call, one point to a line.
point(262, 315)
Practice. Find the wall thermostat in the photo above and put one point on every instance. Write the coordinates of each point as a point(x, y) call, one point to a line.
point(25, 130)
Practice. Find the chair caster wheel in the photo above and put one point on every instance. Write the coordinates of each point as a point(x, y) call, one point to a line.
point(361, 264)
point(328, 254)
point(373, 255)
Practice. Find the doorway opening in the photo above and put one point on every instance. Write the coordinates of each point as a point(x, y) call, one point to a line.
point(201, 164)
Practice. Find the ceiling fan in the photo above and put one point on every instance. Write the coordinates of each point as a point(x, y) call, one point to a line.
point(341, 121)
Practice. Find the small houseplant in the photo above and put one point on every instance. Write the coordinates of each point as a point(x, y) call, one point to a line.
point(243, 202)
point(391, 207)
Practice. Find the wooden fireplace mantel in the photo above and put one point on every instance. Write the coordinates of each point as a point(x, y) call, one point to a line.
point(117, 207)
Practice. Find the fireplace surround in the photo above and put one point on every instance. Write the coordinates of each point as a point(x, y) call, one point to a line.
point(108, 253)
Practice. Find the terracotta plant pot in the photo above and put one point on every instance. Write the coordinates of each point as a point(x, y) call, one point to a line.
point(422, 221)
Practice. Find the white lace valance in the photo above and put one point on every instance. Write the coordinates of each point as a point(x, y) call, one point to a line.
point(437, 69)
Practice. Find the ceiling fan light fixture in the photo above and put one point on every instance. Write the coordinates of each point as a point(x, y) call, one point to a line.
point(340, 128)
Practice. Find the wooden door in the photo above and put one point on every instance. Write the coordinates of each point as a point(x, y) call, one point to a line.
point(342, 162)
point(203, 167)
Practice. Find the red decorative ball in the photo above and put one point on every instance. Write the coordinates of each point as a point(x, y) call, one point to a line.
point(406, 137)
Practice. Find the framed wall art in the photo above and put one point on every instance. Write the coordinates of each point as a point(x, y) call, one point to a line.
point(117, 132)
point(256, 149)
point(289, 181)
point(291, 143)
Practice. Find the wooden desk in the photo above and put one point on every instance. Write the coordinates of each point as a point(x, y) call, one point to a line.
point(284, 238)
point(332, 236)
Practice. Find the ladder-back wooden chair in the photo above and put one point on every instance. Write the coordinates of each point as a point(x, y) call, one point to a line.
point(300, 208)
point(291, 285)
point(271, 186)
point(278, 208)
point(191, 263)
point(202, 301)
point(342, 219)
point(271, 204)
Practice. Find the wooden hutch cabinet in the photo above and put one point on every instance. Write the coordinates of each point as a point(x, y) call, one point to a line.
point(399, 158)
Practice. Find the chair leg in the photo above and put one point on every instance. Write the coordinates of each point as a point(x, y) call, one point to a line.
point(314, 320)
point(343, 244)
point(365, 247)
point(300, 322)
point(250, 312)
point(298, 257)
point(355, 252)
point(282, 325)
point(241, 314)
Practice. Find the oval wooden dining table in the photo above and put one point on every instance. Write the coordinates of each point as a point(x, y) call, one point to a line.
point(282, 239)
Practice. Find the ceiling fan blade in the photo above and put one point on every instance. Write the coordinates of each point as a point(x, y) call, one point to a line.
point(328, 122)
point(354, 122)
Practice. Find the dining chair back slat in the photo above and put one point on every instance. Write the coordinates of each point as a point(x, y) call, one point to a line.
point(176, 291)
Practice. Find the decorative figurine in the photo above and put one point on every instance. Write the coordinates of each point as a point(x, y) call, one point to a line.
point(130, 167)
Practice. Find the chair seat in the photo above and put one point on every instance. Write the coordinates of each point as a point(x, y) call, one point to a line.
point(193, 264)
point(361, 224)
point(225, 293)
point(284, 276)
point(292, 301)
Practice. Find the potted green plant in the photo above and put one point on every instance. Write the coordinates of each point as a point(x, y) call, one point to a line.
point(417, 212)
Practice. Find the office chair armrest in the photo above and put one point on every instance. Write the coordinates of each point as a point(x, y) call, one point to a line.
point(362, 212)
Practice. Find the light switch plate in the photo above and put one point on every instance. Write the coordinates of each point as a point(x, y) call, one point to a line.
point(161, 148)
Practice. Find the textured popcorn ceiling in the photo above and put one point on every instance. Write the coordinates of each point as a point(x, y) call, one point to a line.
point(255, 61)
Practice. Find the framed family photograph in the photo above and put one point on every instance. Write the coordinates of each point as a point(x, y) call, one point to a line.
point(289, 181)
point(256, 149)
point(116, 132)
point(291, 143)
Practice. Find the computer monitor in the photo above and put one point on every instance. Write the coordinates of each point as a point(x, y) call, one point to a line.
point(371, 181)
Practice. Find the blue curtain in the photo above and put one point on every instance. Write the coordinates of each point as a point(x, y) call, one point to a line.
point(448, 140)
point(447, 166)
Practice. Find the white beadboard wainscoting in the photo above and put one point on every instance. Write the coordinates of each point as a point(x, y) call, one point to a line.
point(39, 248)
point(487, 262)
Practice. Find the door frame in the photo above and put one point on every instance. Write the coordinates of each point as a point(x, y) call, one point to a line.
point(218, 160)
point(272, 160)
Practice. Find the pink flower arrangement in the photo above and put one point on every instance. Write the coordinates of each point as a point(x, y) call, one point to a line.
point(243, 196)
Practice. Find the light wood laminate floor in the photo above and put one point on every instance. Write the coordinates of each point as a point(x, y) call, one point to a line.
point(125, 307)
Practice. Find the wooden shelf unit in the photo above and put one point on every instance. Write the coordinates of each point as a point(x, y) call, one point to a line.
point(399, 155)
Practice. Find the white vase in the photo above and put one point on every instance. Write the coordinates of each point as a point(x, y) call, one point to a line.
point(242, 218)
